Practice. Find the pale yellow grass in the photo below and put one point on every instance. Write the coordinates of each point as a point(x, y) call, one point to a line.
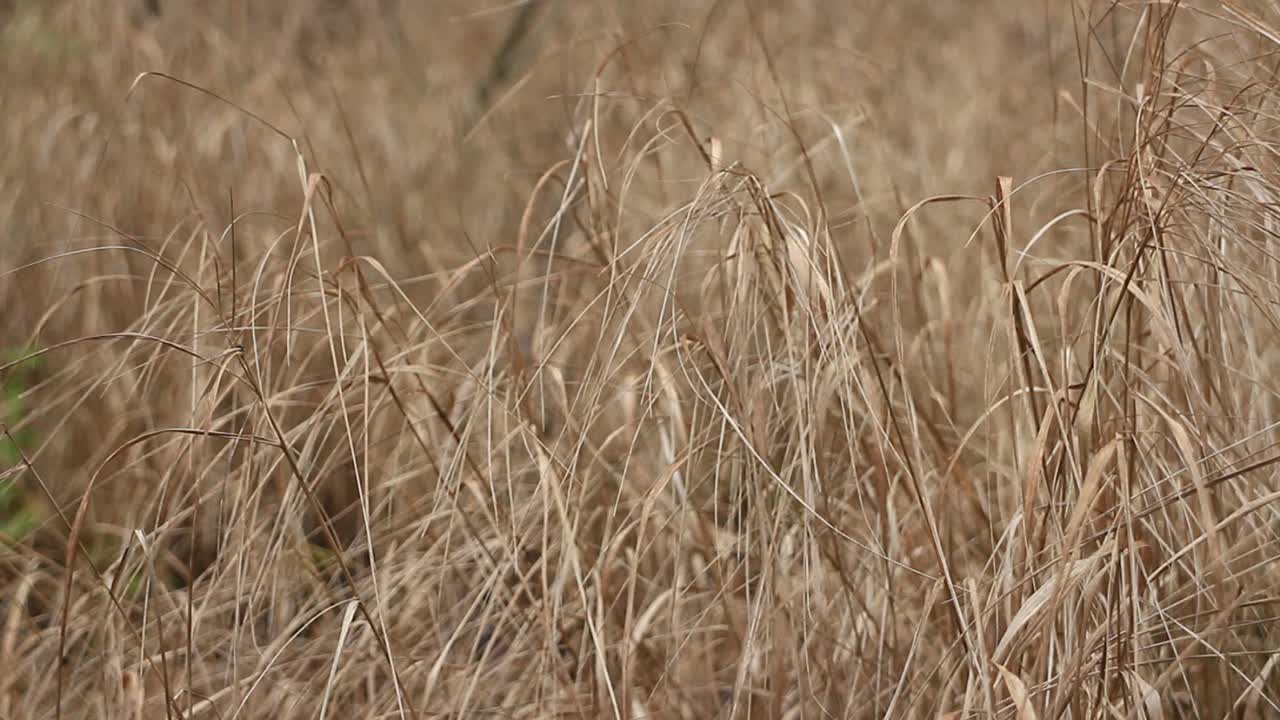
point(741, 359)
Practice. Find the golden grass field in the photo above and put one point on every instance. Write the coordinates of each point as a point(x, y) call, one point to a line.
point(661, 359)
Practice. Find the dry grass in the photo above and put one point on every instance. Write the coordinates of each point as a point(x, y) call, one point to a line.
point(627, 359)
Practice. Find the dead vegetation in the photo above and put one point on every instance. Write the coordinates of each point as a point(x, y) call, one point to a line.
point(689, 360)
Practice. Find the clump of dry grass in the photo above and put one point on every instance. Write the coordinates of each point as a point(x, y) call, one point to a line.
point(661, 398)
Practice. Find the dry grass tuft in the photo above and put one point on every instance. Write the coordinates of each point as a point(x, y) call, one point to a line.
point(741, 360)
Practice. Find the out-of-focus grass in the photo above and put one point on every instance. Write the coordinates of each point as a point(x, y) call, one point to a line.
point(724, 359)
